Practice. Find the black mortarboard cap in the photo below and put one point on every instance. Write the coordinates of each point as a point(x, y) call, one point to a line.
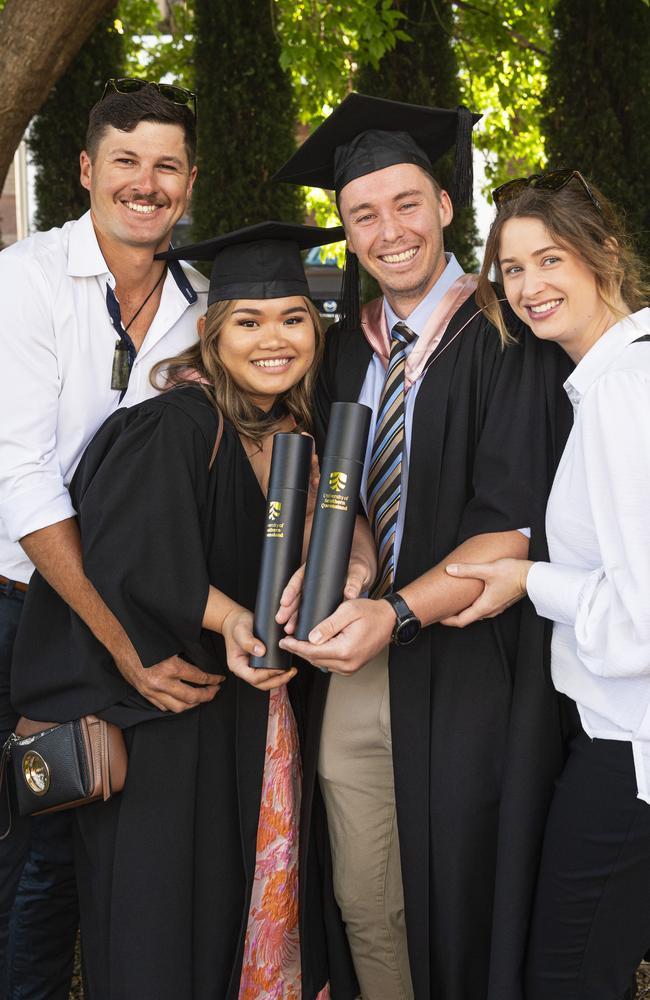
point(364, 134)
point(258, 262)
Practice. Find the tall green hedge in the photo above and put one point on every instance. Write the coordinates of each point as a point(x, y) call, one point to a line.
point(58, 132)
point(425, 71)
point(598, 102)
point(247, 119)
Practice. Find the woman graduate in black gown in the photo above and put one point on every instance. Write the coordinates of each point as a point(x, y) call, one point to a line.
point(188, 884)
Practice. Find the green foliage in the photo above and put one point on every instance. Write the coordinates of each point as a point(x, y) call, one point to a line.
point(425, 71)
point(325, 41)
point(597, 108)
point(262, 65)
point(155, 50)
point(502, 50)
point(58, 132)
point(247, 119)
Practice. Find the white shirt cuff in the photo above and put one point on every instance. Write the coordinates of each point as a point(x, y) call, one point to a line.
point(34, 509)
point(555, 590)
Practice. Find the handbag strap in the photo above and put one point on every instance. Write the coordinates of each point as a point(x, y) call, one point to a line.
point(4, 759)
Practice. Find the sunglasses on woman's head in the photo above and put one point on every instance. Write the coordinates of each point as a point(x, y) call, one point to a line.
point(552, 181)
point(131, 85)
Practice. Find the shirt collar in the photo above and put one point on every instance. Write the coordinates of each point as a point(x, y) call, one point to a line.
point(419, 316)
point(178, 274)
point(85, 258)
point(606, 349)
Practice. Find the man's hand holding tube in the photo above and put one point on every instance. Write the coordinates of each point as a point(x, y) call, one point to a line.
point(359, 628)
point(362, 570)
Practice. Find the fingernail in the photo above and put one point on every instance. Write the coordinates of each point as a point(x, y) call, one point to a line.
point(452, 569)
point(258, 650)
point(315, 636)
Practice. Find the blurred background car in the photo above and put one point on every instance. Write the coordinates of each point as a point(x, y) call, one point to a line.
point(325, 278)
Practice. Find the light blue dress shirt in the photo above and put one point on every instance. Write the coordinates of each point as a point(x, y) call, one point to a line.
point(374, 382)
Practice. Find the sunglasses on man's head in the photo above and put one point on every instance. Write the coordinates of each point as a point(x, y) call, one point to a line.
point(552, 181)
point(131, 85)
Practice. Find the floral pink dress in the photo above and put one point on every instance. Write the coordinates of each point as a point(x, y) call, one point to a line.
point(271, 966)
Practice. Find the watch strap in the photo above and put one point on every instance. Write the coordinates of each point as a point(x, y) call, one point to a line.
point(399, 606)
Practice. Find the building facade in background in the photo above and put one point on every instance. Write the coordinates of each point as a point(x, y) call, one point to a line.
point(14, 214)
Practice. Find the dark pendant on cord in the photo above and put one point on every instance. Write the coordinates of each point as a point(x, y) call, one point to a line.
point(121, 367)
point(122, 361)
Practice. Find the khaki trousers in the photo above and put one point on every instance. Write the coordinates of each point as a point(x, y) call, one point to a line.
point(355, 768)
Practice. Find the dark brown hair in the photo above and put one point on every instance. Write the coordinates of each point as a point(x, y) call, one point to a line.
point(126, 111)
point(202, 363)
point(596, 235)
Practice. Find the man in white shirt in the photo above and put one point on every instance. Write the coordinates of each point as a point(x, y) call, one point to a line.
point(86, 314)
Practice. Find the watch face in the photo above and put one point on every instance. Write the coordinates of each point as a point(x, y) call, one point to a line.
point(407, 631)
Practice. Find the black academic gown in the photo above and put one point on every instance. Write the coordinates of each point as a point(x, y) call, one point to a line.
point(477, 729)
point(165, 868)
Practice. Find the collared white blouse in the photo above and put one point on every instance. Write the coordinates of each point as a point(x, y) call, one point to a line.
point(596, 589)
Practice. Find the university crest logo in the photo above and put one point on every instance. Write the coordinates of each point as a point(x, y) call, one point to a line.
point(338, 481)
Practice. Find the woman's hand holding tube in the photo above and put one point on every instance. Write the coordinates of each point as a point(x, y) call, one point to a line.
point(505, 584)
point(235, 624)
point(237, 631)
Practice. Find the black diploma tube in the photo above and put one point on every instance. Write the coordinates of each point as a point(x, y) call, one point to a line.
point(336, 509)
point(286, 507)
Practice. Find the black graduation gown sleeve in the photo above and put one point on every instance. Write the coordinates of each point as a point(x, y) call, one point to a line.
point(141, 512)
point(506, 487)
point(142, 496)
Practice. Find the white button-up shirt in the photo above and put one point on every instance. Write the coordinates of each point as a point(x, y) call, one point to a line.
point(56, 355)
point(596, 589)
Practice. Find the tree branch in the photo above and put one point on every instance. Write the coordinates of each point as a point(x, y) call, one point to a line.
point(37, 44)
point(517, 37)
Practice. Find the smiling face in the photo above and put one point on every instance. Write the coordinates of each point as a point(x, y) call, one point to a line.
point(393, 220)
point(267, 346)
point(551, 288)
point(139, 184)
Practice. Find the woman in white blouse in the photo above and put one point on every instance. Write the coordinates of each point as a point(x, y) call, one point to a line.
point(568, 271)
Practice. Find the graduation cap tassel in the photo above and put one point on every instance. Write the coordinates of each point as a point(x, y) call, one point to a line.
point(350, 304)
point(463, 165)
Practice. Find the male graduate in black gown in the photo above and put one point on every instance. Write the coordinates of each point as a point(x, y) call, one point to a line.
point(438, 746)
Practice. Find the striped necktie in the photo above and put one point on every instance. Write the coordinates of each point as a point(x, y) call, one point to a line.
point(385, 474)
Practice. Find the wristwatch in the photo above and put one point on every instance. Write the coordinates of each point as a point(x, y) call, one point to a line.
point(407, 627)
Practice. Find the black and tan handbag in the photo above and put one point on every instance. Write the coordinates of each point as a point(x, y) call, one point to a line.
point(62, 765)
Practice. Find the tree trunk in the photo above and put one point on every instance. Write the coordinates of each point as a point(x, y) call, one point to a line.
point(38, 42)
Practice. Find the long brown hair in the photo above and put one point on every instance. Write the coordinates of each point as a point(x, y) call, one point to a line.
point(596, 235)
point(201, 364)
